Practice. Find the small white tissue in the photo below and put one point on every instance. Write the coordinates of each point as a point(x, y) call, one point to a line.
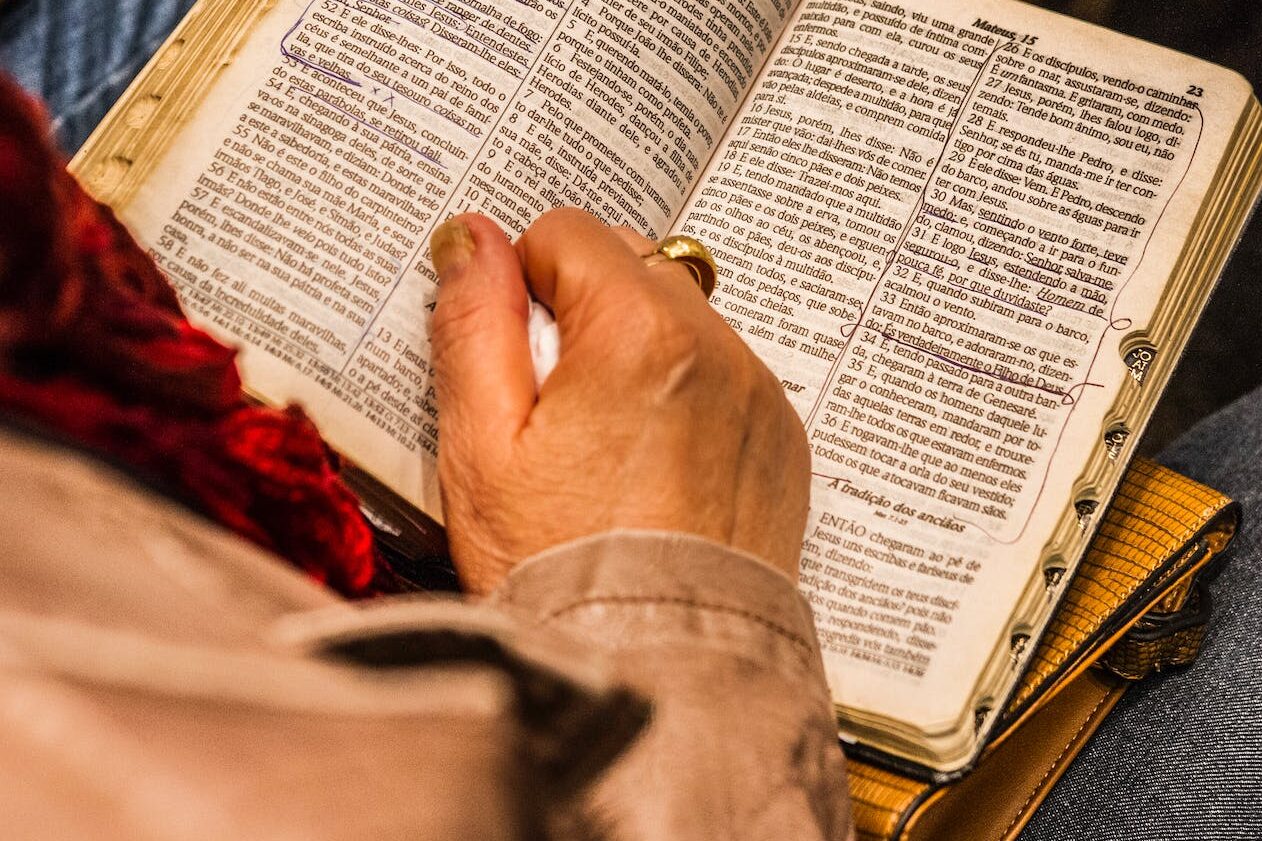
point(545, 341)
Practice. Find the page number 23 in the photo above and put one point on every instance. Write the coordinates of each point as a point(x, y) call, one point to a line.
point(1195, 90)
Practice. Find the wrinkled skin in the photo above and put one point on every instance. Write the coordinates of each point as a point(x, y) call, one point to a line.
point(657, 416)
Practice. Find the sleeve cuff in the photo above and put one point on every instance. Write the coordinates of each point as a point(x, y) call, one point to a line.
point(628, 588)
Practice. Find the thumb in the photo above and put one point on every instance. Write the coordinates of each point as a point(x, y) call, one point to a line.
point(481, 353)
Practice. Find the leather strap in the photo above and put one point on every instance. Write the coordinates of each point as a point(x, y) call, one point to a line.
point(999, 797)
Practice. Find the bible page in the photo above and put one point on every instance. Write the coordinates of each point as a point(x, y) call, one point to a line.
point(940, 224)
point(293, 208)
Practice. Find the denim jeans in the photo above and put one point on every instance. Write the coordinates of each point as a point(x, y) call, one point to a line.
point(1180, 758)
point(80, 55)
point(1181, 755)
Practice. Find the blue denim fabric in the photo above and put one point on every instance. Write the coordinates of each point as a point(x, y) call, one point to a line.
point(80, 55)
point(1181, 756)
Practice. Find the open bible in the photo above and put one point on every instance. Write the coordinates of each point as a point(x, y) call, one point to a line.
point(970, 236)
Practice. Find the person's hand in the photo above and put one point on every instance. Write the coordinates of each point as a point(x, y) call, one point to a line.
point(657, 415)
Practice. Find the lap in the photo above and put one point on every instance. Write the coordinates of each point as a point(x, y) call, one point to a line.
point(1181, 755)
point(80, 55)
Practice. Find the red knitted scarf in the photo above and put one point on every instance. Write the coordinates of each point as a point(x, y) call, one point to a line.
point(94, 347)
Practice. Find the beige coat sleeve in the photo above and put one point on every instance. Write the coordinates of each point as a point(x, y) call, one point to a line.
point(742, 743)
point(161, 679)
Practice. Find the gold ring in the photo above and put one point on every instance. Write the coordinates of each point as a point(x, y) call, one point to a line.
point(692, 255)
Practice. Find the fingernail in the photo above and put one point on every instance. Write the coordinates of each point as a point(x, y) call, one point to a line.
point(451, 247)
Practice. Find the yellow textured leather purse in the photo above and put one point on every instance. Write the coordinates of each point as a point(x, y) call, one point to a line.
point(1135, 606)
